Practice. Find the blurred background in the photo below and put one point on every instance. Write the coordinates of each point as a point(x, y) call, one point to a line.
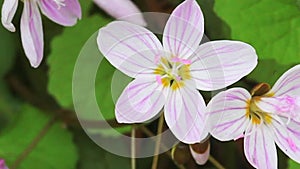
point(38, 125)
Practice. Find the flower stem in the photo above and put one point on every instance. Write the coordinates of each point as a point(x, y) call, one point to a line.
point(215, 162)
point(150, 134)
point(133, 161)
point(157, 145)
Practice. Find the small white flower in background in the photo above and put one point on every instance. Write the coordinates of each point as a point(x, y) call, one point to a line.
point(63, 12)
point(123, 10)
point(264, 117)
point(169, 74)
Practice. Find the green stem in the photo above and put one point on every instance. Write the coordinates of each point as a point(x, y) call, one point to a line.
point(150, 134)
point(158, 141)
point(215, 162)
point(133, 161)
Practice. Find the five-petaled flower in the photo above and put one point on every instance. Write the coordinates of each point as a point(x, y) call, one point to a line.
point(63, 12)
point(264, 117)
point(169, 75)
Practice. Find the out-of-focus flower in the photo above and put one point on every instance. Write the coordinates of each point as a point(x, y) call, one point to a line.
point(63, 12)
point(264, 117)
point(200, 151)
point(2, 164)
point(123, 10)
point(169, 75)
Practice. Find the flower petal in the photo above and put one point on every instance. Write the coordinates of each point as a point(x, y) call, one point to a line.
point(288, 139)
point(124, 10)
point(140, 101)
point(184, 29)
point(129, 47)
point(8, 11)
point(219, 64)
point(227, 114)
point(283, 106)
point(260, 149)
point(288, 83)
point(65, 15)
point(32, 33)
point(185, 115)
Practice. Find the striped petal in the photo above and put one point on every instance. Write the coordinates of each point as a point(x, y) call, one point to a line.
point(219, 64)
point(140, 101)
point(288, 138)
point(32, 33)
point(284, 106)
point(184, 29)
point(184, 114)
point(227, 114)
point(131, 48)
point(124, 10)
point(8, 11)
point(66, 15)
point(288, 83)
point(260, 149)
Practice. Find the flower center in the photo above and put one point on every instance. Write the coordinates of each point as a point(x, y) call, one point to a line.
point(59, 3)
point(255, 114)
point(172, 72)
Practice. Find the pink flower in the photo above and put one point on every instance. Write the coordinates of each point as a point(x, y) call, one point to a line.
point(169, 74)
point(63, 12)
point(123, 10)
point(2, 164)
point(263, 120)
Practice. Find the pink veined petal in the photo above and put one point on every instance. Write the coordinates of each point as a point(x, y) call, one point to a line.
point(260, 149)
point(8, 11)
point(185, 115)
point(124, 10)
point(218, 64)
point(140, 101)
point(184, 29)
point(201, 159)
point(227, 114)
point(284, 106)
point(131, 48)
point(66, 15)
point(288, 83)
point(288, 138)
point(32, 33)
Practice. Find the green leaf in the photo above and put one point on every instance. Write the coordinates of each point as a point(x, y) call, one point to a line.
point(62, 61)
point(271, 26)
point(268, 71)
point(7, 50)
point(293, 165)
point(65, 50)
point(48, 153)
